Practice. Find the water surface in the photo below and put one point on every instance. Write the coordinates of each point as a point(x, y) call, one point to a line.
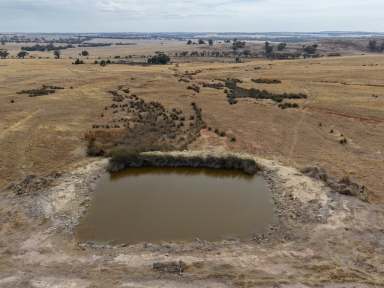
point(165, 204)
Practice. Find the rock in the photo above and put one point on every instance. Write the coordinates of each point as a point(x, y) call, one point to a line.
point(316, 173)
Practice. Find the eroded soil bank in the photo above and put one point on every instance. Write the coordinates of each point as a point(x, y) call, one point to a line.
point(321, 238)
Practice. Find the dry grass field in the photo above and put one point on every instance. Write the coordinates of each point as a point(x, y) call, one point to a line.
point(42, 134)
point(320, 239)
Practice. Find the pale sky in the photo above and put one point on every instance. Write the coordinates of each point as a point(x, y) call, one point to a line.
point(191, 15)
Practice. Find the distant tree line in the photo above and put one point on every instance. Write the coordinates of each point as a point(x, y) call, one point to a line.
point(86, 45)
point(43, 48)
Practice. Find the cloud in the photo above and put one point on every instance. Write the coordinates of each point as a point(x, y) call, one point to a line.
point(190, 15)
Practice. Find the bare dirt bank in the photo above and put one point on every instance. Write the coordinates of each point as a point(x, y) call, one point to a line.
point(320, 238)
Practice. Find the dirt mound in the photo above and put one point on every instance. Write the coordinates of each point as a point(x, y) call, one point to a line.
point(343, 186)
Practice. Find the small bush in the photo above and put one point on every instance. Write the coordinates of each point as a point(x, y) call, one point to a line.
point(343, 141)
point(288, 105)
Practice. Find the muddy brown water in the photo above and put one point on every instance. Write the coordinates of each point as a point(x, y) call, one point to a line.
point(164, 204)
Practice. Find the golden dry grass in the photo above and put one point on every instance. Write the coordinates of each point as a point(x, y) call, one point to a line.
point(42, 134)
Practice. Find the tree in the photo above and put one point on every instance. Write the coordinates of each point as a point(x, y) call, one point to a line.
point(210, 42)
point(57, 54)
point(268, 48)
point(189, 42)
point(238, 44)
point(159, 58)
point(372, 45)
point(85, 53)
point(247, 53)
point(22, 54)
point(78, 62)
point(311, 49)
point(2, 42)
point(3, 53)
point(201, 42)
point(281, 46)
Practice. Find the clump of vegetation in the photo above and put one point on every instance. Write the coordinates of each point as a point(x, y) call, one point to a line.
point(44, 90)
point(123, 159)
point(267, 81)
point(48, 47)
point(239, 92)
point(268, 49)
point(214, 85)
point(343, 141)
point(78, 62)
point(104, 63)
point(130, 122)
point(194, 87)
point(86, 45)
point(238, 44)
point(57, 54)
point(4, 53)
point(160, 58)
point(281, 46)
point(310, 49)
point(374, 46)
point(22, 54)
point(288, 105)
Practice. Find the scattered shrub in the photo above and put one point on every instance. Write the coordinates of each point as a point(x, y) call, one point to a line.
point(44, 90)
point(266, 81)
point(288, 105)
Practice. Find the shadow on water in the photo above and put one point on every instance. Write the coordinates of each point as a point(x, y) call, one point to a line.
point(176, 204)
